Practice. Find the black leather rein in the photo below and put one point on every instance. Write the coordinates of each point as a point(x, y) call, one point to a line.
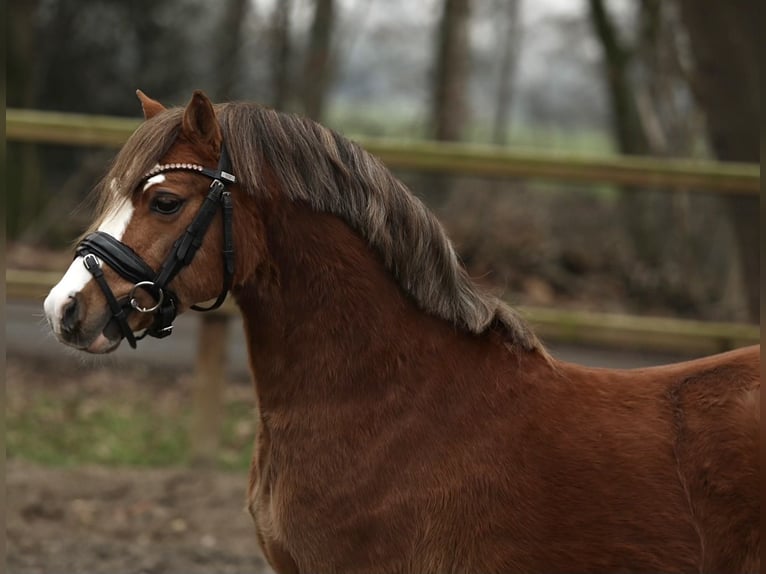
point(100, 246)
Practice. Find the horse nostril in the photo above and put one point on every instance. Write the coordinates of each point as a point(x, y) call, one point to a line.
point(70, 316)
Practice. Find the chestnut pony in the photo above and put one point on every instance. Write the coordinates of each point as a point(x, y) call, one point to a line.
point(408, 421)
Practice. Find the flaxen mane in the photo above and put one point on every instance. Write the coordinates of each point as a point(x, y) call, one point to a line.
point(332, 174)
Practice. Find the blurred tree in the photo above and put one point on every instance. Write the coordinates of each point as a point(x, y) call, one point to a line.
point(227, 69)
point(95, 53)
point(650, 108)
point(319, 59)
point(653, 113)
point(666, 111)
point(22, 52)
point(724, 40)
point(508, 24)
point(449, 96)
point(450, 107)
point(88, 57)
point(280, 54)
point(24, 182)
point(627, 129)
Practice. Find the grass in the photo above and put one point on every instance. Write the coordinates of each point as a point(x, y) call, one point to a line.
point(122, 423)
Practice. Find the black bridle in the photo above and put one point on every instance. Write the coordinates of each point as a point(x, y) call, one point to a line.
point(99, 246)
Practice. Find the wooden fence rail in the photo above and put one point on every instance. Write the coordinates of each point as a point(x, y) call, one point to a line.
point(577, 327)
point(453, 158)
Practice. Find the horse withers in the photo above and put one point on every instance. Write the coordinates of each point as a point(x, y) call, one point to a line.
point(408, 421)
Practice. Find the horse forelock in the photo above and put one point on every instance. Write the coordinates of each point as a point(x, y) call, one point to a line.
point(151, 140)
point(330, 173)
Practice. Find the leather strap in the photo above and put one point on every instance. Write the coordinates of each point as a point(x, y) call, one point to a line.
point(93, 265)
point(227, 208)
point(119, 256)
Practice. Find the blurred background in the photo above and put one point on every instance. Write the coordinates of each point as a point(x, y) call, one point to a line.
point(106, 472)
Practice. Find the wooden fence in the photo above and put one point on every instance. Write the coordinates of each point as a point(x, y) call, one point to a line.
point(579, 327)
point(680, 336)
point(452, 158)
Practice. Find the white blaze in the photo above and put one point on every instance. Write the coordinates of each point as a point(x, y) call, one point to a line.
point(76, 277)
point(154, 180)
point(116, 220)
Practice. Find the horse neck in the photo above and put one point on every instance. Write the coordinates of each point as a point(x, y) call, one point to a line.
point(326, 318)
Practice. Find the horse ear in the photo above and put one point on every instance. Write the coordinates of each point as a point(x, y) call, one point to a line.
point(200, 124)
point(151, 107)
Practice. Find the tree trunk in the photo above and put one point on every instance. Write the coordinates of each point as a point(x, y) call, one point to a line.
point(511, 37)
point(318, 67)
point(724, 44)
point(230, 42)
point(638, 208)
point(625, 119)
point(450, 109)
point(25, 180)
point(449, 91)
point(280, 54)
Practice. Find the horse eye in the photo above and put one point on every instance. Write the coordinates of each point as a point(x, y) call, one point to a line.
point(166, 204)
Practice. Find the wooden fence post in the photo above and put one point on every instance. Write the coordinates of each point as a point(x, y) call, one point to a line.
point(209, 381)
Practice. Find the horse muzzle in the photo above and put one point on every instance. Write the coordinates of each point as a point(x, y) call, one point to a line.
point(73, 324)
point(77, 315)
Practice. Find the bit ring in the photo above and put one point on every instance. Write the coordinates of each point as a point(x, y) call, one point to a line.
point(137, 306)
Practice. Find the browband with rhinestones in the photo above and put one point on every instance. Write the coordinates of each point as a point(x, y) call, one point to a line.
point(165, 167)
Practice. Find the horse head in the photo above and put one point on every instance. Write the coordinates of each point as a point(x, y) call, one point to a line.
point(163, 242)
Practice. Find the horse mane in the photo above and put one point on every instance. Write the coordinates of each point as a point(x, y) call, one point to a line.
point(331, 174)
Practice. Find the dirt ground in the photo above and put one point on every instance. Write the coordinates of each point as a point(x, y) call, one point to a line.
point(94, 520)
point(67, 520)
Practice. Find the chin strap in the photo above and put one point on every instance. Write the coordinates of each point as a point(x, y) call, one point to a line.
point(100, 246)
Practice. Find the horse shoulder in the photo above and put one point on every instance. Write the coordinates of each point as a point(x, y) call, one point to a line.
point(716, 406)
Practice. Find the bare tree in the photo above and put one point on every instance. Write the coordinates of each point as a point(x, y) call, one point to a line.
point(450, 108)
point(318, 62)
point(23, 57)
point(230, 41)
point(510, 32)
point(652, 114)
point(628, 132)
point(280, 53)
point(724, 39)
point(449, 97)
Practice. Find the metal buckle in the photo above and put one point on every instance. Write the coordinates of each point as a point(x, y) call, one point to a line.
point(90, 262)
point(164, 332)
point(137, 306)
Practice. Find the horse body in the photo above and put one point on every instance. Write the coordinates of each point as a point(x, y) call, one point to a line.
point(407, 421)
point(443, 451)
